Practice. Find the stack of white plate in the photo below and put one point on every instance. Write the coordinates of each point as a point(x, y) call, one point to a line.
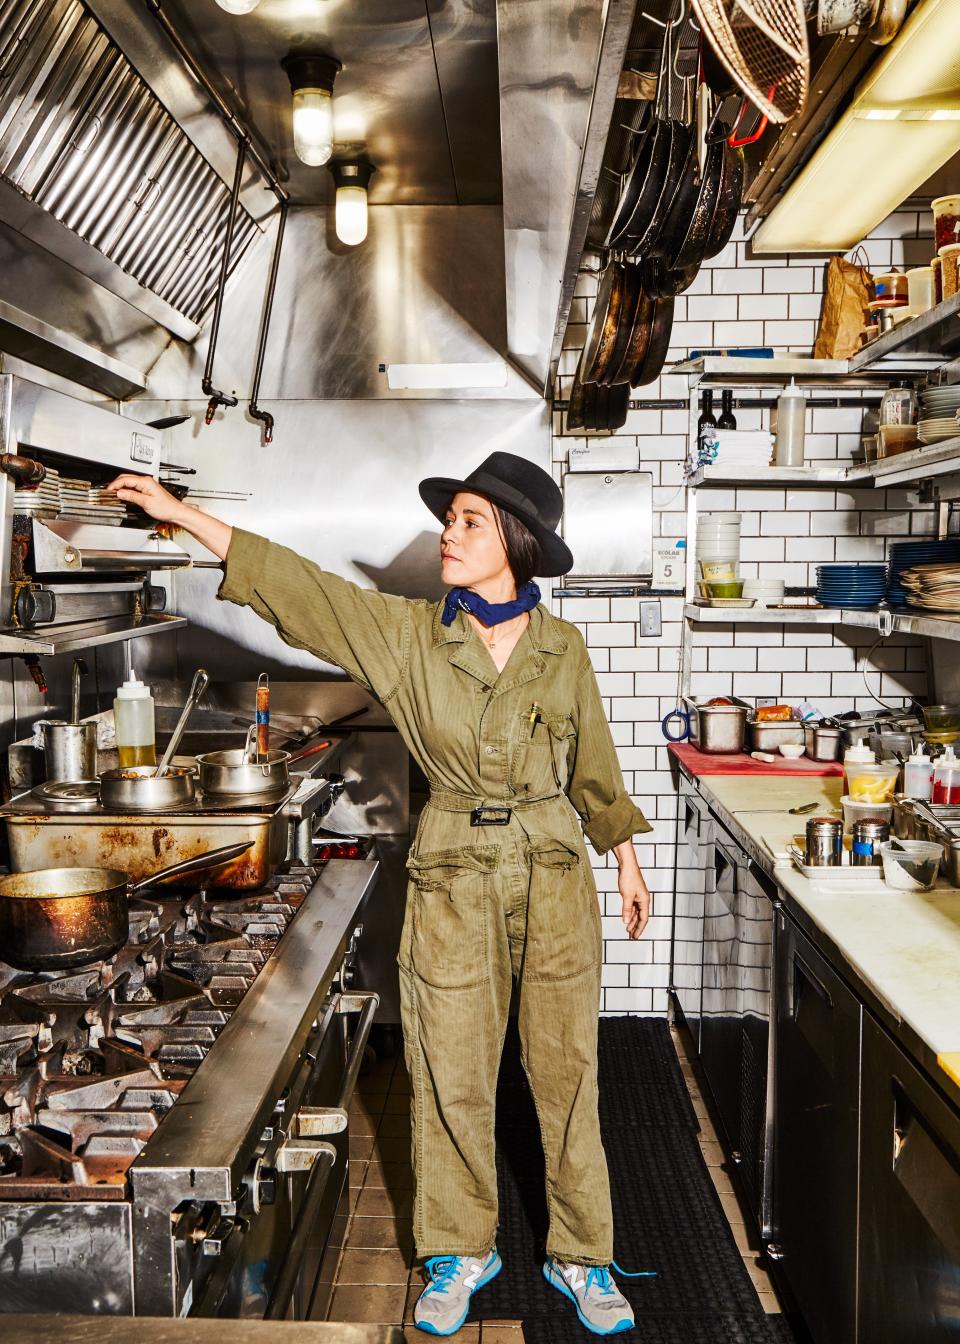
point(933, 587)
point(765, 592)
point(938, 414)
point(718, 537)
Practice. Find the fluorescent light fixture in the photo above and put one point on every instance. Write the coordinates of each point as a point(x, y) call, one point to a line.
point(903, 124)
point(311, 84)
point(434, 377)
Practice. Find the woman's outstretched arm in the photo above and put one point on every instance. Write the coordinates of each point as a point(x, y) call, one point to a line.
point(150, 496)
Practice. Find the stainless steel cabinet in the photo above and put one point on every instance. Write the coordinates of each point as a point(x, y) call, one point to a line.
point(816, 1135)
point(694, 872)
point(909, 1201)
point(720, 1022)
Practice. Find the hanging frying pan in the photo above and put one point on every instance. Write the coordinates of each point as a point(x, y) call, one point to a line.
point(728, 199)
point(660, 282)
point(651, 365)
point(575, 404)
point(618, 401)
point(632, 333)
point(602, 333)
point(686, 231)
point(639, 340)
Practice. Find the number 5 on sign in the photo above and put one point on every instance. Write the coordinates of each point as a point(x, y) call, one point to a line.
point(668, 566)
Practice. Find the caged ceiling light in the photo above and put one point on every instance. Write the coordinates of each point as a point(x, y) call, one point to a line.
point(351, 177)
point(311, 82)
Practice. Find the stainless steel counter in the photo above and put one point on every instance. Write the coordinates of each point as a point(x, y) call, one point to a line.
point(159, 1330)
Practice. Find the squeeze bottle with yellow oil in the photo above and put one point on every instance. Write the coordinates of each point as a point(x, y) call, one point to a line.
point(133, 717)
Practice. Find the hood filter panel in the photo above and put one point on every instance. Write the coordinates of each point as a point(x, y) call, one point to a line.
point(84, 137)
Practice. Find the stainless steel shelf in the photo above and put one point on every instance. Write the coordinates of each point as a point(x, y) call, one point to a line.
point(902, 622)
point(924, 341)
point(937, 460)
point(719, 370)
point(76, 638)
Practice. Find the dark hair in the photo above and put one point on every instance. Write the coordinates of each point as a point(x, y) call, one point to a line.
point(522, 547)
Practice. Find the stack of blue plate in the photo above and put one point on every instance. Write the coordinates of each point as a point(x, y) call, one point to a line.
point(906, 554)
point(851, 585)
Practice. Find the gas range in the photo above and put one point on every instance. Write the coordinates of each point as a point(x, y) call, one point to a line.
point(185, 1050)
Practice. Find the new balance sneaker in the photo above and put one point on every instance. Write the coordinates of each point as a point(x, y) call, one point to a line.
point(443, 1305)
point(600, 1304)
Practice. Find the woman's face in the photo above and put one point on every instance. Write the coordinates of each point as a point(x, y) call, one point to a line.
point(471, 547)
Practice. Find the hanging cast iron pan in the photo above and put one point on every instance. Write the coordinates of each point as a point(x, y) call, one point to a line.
point(651, 366)
point(633, 331)
point(575, 404)
point(604, 323)
point(605, 408)
point(660, 282)
point(728, 199)
point(590, 393)
point(661, 161)
point(686, 232)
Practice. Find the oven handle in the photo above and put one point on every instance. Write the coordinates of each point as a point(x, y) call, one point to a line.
point(324, 1157)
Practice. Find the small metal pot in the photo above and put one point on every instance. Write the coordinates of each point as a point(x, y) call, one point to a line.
point(69, 749)
point(138, 788)
point(233, 772)
point(822, 742)
point(55, 918)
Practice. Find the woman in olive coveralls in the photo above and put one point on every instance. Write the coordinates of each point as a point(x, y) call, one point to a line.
point(498, 703)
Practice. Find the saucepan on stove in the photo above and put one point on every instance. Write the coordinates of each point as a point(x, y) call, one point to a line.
point(141, 788)
point(52, 919)
point(243, 772)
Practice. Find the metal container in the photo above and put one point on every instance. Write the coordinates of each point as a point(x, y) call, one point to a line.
point(769, 736)
point(868, 836)
point(139, 845)
point(235, 772)
point(935, 821)
point(717, 729)
point(138, 788)
point(822, 741)
point(824, 842)
point(69, 749)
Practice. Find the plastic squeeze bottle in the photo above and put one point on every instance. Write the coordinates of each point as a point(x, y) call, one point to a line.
point(133, 716)
point(918, 776)
point(791, 426)
point(946, 778)
point(858, 754)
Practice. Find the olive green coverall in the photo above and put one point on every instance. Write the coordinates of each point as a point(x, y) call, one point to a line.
point(486, 904)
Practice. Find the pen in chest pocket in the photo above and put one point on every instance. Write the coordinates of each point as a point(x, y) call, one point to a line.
point(534, 715)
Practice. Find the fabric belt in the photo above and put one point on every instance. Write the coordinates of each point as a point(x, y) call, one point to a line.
point(484, 811)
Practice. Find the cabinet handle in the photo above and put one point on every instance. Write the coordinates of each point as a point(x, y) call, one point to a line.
point(801, 972)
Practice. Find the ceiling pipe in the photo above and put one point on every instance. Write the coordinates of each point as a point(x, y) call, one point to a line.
point(216, 397)
point(265, 418)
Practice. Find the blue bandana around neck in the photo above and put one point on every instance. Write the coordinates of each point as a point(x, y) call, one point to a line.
point(491, 613)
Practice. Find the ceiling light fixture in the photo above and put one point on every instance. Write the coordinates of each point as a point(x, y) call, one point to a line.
point(902, 125)
point(351, 177)
point(238, 6)
point(311, 82)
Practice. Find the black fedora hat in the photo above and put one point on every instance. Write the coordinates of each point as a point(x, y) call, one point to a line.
point(520, 487)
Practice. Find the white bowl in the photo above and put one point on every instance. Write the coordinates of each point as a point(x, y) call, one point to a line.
point(792, 750)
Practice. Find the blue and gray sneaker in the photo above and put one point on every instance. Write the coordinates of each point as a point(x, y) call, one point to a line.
point(600, 1305)
point(443, 1305)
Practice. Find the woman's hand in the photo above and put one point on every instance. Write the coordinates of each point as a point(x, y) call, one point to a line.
point(634, 894)
point(149, 495)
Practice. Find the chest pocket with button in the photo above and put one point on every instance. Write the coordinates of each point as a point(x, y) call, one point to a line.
point(540, 761)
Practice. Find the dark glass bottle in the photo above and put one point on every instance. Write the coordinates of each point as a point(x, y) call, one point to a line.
point(727, 418)
point(707, 418)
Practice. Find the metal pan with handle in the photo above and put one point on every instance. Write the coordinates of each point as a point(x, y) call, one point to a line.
point(141, 788)
point(686, 231)
point(55, 918)
point(604, 323)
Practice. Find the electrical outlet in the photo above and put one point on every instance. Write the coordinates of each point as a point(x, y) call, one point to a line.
point(650, 625)
point(766, 700)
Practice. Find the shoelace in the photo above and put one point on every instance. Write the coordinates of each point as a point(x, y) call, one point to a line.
point(443, 1271)
point(599, 1276)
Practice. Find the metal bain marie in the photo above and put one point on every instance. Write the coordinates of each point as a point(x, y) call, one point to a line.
point(139, 844)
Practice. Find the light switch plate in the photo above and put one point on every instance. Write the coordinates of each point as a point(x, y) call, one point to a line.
point(650, 624)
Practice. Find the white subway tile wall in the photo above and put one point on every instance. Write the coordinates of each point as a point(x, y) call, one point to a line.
point(739, 300)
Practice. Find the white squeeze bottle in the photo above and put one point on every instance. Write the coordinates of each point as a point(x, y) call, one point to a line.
point(133, 716)
point(791, 426)
point(858, 754)
point(918, 776)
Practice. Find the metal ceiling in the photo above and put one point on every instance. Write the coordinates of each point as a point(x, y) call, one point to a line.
point(418, 89)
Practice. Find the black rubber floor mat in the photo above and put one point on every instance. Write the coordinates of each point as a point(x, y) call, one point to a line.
point(667, 1214)
point(687, 1329)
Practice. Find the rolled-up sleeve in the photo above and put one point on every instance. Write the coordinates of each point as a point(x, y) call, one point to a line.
point(596, 787)
point(364, 632)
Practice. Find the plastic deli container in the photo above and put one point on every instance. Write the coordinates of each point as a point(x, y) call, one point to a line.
point(855, 811)
point(946, 218)
point(920, 289)
point(912, 865)
point(892, 287)
point(872, 783)
point(949, 257)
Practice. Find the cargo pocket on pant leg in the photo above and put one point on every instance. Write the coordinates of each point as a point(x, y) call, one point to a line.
point(446, 933)
point(563, 917)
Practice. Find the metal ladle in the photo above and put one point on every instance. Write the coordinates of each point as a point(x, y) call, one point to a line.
point(200, 683)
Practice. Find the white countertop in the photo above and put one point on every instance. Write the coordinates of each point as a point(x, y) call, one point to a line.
point(904, 946)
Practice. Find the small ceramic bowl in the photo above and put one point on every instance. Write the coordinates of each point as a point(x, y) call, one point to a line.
point(792, 750)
